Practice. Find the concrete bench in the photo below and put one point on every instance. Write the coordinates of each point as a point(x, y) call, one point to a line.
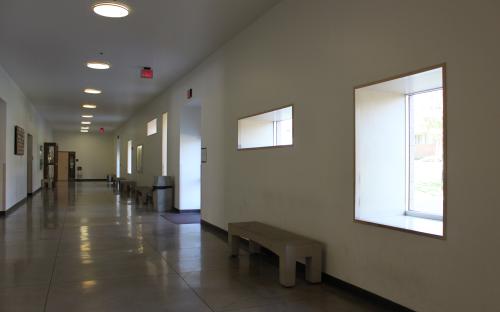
point(288, 246)
point(144, 194)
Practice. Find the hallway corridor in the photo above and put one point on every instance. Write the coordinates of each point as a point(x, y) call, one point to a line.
point(82, 248)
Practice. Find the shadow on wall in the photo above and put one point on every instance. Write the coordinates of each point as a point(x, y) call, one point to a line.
point(3, 121)
point(190, 157)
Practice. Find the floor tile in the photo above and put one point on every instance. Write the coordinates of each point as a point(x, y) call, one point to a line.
point(23, 298)
point(81, 247)
point(161, 293)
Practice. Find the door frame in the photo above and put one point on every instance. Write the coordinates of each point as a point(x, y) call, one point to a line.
point(71, 172)
point(3, 157)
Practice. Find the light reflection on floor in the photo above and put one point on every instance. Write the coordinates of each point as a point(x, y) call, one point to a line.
point(82, 247)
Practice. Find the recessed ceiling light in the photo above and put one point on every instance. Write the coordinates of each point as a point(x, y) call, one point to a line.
point(84, 131)
point(92, 91)
point(111, 9)
point(89, 106)
point(98, 65)
point(86, 123)
point(87, 116)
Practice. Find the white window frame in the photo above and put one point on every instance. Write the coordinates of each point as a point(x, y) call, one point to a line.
point(415, 222)
point(164, 144)
point(129, 156)
point(274, 131)
point(152, 127)
point(408, 210)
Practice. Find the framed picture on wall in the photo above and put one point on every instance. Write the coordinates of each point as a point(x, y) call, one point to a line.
point(18, 141)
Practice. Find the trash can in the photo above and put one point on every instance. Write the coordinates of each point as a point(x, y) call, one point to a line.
point(163, 193)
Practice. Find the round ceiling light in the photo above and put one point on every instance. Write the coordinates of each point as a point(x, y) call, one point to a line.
point(91, 106)
point(84, 131)
point(86, 128)
point(86, 123)
point(92, 91)
point(98, 65)
point(111, 9)
point(87, 116)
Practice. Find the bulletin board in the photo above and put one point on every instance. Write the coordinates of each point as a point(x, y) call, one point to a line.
point(18, 141)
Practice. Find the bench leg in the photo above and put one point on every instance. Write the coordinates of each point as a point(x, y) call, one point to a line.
point(234, 244)
point(313, 269)
point(287, 270)
point(253, 247)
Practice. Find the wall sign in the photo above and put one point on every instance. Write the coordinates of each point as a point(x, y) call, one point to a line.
point(18, 141)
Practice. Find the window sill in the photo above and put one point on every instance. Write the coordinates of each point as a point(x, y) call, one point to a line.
point(406, 223)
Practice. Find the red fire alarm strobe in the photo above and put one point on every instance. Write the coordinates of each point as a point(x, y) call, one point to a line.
point(147, 73)
point(101, 131)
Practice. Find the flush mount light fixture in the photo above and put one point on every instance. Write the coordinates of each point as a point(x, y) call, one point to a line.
point(87, 116)
point(91, 106)
point(86, 123)
point(92, 91)
point(85, 128)
point(111, 9)
point(84, 131)
point(98, 65)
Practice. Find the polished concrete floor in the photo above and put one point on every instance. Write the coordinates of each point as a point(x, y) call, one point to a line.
point(81, 247)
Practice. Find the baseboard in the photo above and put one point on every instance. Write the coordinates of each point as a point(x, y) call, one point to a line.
point(13, 208)
point(214, 229)
point(91, 180)
point(36, 191)
point(327, 279)
point(177, 210)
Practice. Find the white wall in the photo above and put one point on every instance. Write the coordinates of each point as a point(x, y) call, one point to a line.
point(204, 81)
point(380, 152)
point(190, 159)
point(312, 54)
point(21, 112)
point(95, 152)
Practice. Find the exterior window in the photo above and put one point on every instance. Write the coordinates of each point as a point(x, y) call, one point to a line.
point(164, 146)
point(152, 127)
point(425, 161)
point(129, 157)
point(400, 152)
point(269, 129)
point(118, 157)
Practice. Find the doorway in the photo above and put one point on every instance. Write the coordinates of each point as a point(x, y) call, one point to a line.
point(72, 166)
point(29, 159)
point(63, 166)
point(190, 157)
point(3, 167)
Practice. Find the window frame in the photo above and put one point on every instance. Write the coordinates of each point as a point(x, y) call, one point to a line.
point(274, 129)
point(130, 153)
point(408, 211)
point(164, 143)
point(155, 120)
point(444, 220)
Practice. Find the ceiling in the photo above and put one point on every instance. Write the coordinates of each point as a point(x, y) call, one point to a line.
point(45, 44)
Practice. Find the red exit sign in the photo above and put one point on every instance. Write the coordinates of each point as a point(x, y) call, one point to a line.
point(147, 73)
